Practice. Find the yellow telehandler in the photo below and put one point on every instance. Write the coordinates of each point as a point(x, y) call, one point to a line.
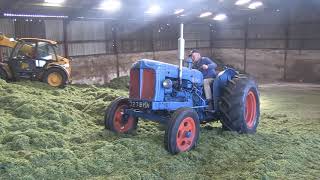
point(34, 59)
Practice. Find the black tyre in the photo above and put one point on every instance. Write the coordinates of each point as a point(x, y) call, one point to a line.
point(240, 105)
point(3, 74)
point(55, 77)
point(115, 119)
point(182, 132)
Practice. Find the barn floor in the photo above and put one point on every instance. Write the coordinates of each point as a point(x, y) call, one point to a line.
point(48, 133)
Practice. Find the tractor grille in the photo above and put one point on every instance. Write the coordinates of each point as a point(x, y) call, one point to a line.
point(142, 87)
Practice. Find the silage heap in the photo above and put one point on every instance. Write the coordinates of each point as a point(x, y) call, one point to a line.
point(49, 133)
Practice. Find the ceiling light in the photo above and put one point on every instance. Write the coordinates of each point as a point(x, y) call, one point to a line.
point(181, 15)
point(54, 1)
point(178, 11)
point(51, 5)
point(205, 14)
point(220, 17)
point(242, 2)
point(33, 15)
point(111, 5)
point(255, 5)
point(154, 9)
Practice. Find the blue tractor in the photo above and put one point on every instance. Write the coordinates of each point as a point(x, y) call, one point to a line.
point(173, 95)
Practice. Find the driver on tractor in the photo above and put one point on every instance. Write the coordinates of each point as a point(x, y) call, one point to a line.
point(207, 67)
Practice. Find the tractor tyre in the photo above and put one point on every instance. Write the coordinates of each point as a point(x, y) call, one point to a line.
point(115, 119)
point(3, 74)
point(240, 105)
point(182, 132)
point(55, 77)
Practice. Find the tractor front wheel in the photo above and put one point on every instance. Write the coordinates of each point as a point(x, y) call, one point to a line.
point(55, 77)
point(182, 132)
point(116, 120)
point(240, 105)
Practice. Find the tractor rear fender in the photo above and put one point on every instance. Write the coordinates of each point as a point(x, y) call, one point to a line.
point(6, 68)
point(220, 82)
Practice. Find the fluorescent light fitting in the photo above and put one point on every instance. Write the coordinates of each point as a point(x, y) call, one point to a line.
point(205, 14)
point(220, 17)
point(178, 11)
point(52, 5)
point(154, 9)
point(255, 5)
point(242, 2)
point(54, 1)
point(111, 5)
point(33, 15)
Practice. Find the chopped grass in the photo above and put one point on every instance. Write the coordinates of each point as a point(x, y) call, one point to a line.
point(119, 83)
point(49, 133)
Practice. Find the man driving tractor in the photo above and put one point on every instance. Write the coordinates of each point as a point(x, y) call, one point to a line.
point(207, 67)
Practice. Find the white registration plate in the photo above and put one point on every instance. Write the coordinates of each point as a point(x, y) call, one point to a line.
point(140, 104)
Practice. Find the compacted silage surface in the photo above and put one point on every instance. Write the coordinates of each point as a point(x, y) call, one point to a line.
point(49, 133)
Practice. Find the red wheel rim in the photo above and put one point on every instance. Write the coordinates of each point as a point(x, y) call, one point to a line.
point(251, 109)
point(120, 126)
point(186, 134)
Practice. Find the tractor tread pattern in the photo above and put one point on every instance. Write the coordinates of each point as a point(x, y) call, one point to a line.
point(232, 106)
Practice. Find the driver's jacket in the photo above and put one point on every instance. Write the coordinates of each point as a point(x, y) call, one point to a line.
point(207, 73)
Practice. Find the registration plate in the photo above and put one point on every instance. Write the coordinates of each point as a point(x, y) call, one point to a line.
point(140, 104)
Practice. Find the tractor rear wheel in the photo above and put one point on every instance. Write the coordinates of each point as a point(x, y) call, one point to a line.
point(182, 132)
point(55, 77)
point(3, 74)
point(240, 105)
point(116, 120)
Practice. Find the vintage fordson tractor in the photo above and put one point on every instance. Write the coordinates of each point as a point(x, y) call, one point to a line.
point(174, 96)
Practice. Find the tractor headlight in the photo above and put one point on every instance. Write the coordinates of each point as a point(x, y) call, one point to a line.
point(167, 84)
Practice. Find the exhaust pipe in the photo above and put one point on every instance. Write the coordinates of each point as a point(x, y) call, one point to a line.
point(181, 43)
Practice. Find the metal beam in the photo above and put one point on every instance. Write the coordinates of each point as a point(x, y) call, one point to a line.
point(115, 47)
point(152, 41)
point(246, 27)
point(211, 40)
point(65, 38)
point(287, 31)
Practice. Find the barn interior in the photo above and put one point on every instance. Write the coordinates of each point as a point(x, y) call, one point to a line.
point(58, 133)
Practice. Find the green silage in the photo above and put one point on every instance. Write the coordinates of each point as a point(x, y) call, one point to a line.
point(48, 133)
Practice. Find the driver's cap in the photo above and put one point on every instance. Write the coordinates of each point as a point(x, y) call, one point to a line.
point(193, 51)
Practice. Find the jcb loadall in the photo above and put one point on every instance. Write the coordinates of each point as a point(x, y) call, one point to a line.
point(34, 59)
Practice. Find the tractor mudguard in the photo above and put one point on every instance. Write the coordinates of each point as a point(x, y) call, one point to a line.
point(6, 68)
point(220, 82)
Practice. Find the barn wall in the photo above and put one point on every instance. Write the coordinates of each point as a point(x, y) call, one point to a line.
point(277, 46)
point(100, 69)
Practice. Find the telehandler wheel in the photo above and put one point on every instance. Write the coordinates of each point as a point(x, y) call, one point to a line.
point(3, 74)
point(55, 77)
point(115, 119)
point(182, 132)
point(240, 105)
